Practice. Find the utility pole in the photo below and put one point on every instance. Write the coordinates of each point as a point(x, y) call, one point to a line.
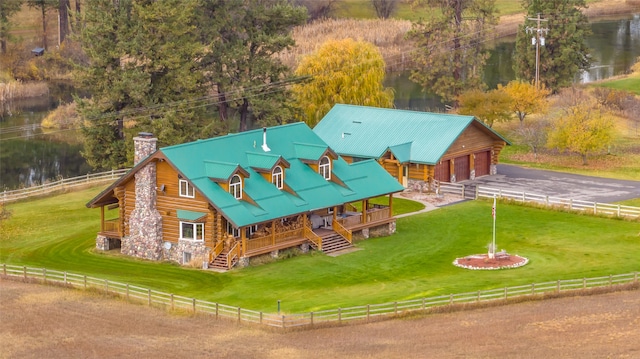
point(537, 40)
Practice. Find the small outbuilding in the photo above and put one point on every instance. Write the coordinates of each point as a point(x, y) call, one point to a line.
point(38, 51)
point(417, 148)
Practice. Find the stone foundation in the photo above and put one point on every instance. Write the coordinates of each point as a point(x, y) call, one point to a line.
point(382, 230)
point(305, 247)
point(243, 262)
point(199, 253)
point(493, 169)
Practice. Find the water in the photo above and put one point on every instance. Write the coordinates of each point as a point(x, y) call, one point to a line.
point(33, 158)
point(615, 45)
point(27, 156)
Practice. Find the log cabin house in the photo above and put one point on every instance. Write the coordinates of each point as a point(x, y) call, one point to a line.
point(417, 148)
point(220, 201)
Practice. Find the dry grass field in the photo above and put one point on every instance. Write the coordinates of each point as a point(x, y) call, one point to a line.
point(41, 321)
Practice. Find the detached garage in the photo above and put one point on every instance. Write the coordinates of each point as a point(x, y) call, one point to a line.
point(413, 146)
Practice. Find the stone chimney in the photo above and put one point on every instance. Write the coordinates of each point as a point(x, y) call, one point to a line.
point(145, 222)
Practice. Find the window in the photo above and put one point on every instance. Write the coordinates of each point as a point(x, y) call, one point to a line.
point(325, 167)
point(186, 190)
point(192, 231)
point(235, 186)
point(276, 177)
point(186, 257)
point(233, 230)
point(251, 230)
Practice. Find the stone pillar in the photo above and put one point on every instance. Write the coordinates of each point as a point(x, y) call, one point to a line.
point(145, 222)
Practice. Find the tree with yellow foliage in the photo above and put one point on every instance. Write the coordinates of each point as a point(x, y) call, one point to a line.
point(583, 128)
point(525, 98)
point(341, 71)
point(490, 107)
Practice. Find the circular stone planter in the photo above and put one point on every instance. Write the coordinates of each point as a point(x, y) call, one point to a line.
point(483, 262)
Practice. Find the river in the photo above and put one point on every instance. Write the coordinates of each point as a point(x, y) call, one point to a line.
point(29, 157)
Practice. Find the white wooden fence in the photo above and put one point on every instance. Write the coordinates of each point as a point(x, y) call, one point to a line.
point(65, 183)
point(562, 203)
point(361, 313)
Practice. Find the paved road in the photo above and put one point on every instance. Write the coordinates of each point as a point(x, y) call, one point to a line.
point(559, 184)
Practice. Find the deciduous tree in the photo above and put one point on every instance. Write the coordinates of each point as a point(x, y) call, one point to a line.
point(525, 98)
point(565, 52)
point(341, 71)
point(450, 51)
point(490, 107)
point(582, 129)
point(534, 135)
point(384, 8)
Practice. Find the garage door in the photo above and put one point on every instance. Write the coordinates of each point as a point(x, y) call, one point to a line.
point(442, 171)
point(482, 163)
point(461, 168)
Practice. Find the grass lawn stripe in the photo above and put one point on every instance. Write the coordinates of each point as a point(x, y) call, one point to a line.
point(59, 233)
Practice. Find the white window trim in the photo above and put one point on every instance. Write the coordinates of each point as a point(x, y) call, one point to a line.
point(235, 188)
point(325, 169)
point(195, 232)
point(277, 178)
point(235, 232)
point(190, 192)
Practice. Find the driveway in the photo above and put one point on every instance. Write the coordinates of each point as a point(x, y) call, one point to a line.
point(559, 184)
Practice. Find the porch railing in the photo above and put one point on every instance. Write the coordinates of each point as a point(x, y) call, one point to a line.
point(313, 237)
point(338, 228)
point(234, 253)
point(112, 226)
point(351, 221)
point(270, 240)
point(378, 214)
point(219, 247)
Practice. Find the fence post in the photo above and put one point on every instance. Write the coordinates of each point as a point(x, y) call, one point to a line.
point(423, 304)
point(584, 283)
point(478, 296)
point(451, 299)
point(505, 292)
point(240, 316)
point(595, 207)
point(570, 203)
point(216, 310)
point(149, 296)
point(106, 286)
point(44, 274)
point(610, 280)
point(635, 277)
point(311, 318)
point(524, 195)
point(546, 201)
point(65, 278)
point(368, 312)
point(194, 305)
point(477, 191)
point(85, 281)
point(558, 288)
point(4, 269)
point(618, 210)
point(395, 308)
point(127, 292)
point(339, 315)
point(172, 306)
point(25, 272)
point(533, 288)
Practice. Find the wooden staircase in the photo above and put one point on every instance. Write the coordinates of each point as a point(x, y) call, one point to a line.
point(333, 242)
point(220, 262)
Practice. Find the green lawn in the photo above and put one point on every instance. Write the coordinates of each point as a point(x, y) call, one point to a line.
point(58, 233)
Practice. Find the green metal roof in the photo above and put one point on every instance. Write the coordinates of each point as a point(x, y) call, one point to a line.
point(189, 215)
point(197, 162)
point(418, 137)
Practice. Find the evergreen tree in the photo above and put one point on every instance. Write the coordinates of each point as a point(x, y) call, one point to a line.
point(241, 39)
point(564, 53)
point(7, 9)
point(43, 6)
point(141, 73)
point(451, 52)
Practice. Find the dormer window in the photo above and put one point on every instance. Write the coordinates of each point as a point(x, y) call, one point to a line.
point(276, 177)
point(324, 168)
point(235, 186)
point(186, 190)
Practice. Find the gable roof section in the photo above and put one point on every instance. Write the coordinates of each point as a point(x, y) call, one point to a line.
point(418, 137)
point(218, 158)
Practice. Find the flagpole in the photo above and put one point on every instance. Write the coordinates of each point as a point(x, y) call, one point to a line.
point(493, 242)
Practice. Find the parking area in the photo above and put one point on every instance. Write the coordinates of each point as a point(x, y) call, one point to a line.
point(559, 184)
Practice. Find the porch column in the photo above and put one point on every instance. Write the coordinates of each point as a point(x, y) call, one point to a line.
point(364, 210)
point(273, 232)
point(243, 237)
point(390, 205)
point(335, 210)
point(101, 218)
